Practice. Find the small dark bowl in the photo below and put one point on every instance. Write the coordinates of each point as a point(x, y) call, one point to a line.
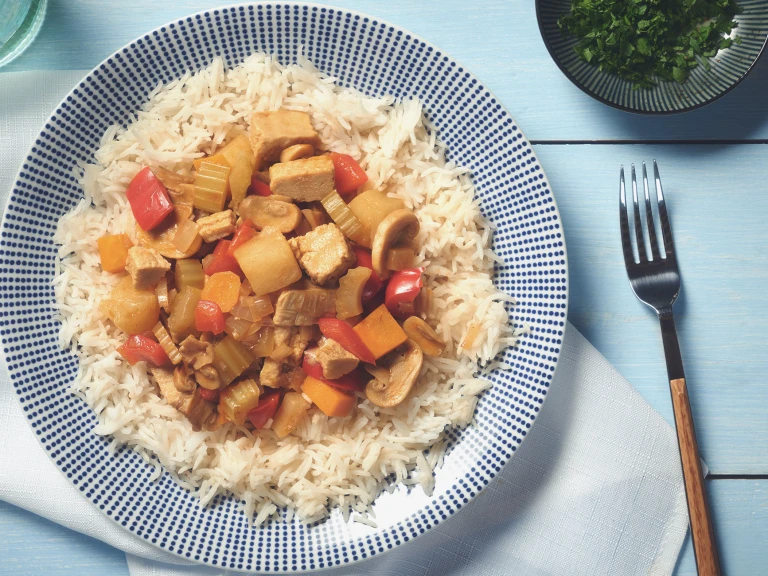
point(728, 67)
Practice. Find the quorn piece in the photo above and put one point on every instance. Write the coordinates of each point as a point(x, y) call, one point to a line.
point(303, 307)
point(198, 411)
point(275, 374)
point(323, 253)
point(305, 180)
point(404, 366)
point(296, 152)
point(292, 337)
point(146, 266)
point(272, 132)
point(217, 226)
point(334, 359)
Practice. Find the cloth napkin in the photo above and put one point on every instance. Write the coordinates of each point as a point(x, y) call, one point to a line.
point(596, 488)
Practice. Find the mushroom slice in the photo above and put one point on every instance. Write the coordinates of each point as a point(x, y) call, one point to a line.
point(161, 238)
point(208, 377)
point(183, 381)
point(195, 353)
point(404, 366)
point(181, 188)
point(397, 228)
point(265, 211)
point(423, 334)
point(297, 152)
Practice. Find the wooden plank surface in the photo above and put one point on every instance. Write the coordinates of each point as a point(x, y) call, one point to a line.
point(718, 219)
point(511, 60)
point(32, 546)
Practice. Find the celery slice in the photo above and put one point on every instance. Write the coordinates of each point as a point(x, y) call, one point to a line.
point(344, 217)
point(189, 273)
point(211, 187)
point(231, 358)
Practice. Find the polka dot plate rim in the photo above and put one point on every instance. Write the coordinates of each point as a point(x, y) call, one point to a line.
point(480, 134)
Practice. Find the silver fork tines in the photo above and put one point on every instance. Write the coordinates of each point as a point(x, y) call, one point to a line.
point(654, 277)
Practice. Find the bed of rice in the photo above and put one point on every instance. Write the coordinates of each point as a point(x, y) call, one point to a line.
point(328, 462)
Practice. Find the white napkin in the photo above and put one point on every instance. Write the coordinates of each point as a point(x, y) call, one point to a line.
point(596, 488)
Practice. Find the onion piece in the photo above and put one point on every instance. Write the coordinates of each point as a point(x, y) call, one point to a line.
point(186, 233)
point(237, 327)
point(161, 290)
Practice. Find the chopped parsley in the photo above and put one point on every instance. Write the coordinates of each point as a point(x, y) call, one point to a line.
point(644, 41)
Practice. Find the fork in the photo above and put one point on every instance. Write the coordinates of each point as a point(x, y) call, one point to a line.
point(655, 280)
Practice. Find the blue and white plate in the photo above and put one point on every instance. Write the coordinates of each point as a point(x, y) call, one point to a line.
point(362, 52)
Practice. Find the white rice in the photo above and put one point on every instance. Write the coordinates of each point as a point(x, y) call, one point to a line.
point(328, 462)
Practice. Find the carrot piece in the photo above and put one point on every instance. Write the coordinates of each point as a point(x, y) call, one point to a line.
point(113, 251)
point(332, 401)
point(380, 332)
point(222, 288)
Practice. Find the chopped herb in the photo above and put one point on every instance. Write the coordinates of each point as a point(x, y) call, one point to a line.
point(644, 41)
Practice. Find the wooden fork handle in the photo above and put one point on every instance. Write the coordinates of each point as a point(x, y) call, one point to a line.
point(702, 530)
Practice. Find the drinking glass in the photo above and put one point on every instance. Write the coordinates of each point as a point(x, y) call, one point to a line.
point(20, 21)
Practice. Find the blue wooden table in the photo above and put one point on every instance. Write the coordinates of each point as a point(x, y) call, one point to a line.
point(713, 163)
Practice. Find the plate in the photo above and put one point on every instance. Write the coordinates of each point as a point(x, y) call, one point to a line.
point(377, 58)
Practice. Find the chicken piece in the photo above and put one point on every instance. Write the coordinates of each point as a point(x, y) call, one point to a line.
point(303, 307)
point(334, 359)
point(305, 180)
point(272, 132)
point(293, 338)
point(279, 375)
point(323, 253)
point(217, 226)
point(146, 266)
point(198, 411)
point(195, 353)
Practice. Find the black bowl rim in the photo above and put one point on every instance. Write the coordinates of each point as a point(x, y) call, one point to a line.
point(623, 108)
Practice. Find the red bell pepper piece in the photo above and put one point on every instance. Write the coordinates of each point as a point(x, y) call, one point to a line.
point(265, 410)
point(402, 290)
point(343, 333)
point(349, 174)
point(209, 317)
point(374, 283)
point(259, 188)
point(210, 395)
point(242, 235)
point(222, 261)
point(138, 347)
point(149, 199)
point(355, 380)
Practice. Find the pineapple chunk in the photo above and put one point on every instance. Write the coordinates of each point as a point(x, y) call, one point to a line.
point(268, 262)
